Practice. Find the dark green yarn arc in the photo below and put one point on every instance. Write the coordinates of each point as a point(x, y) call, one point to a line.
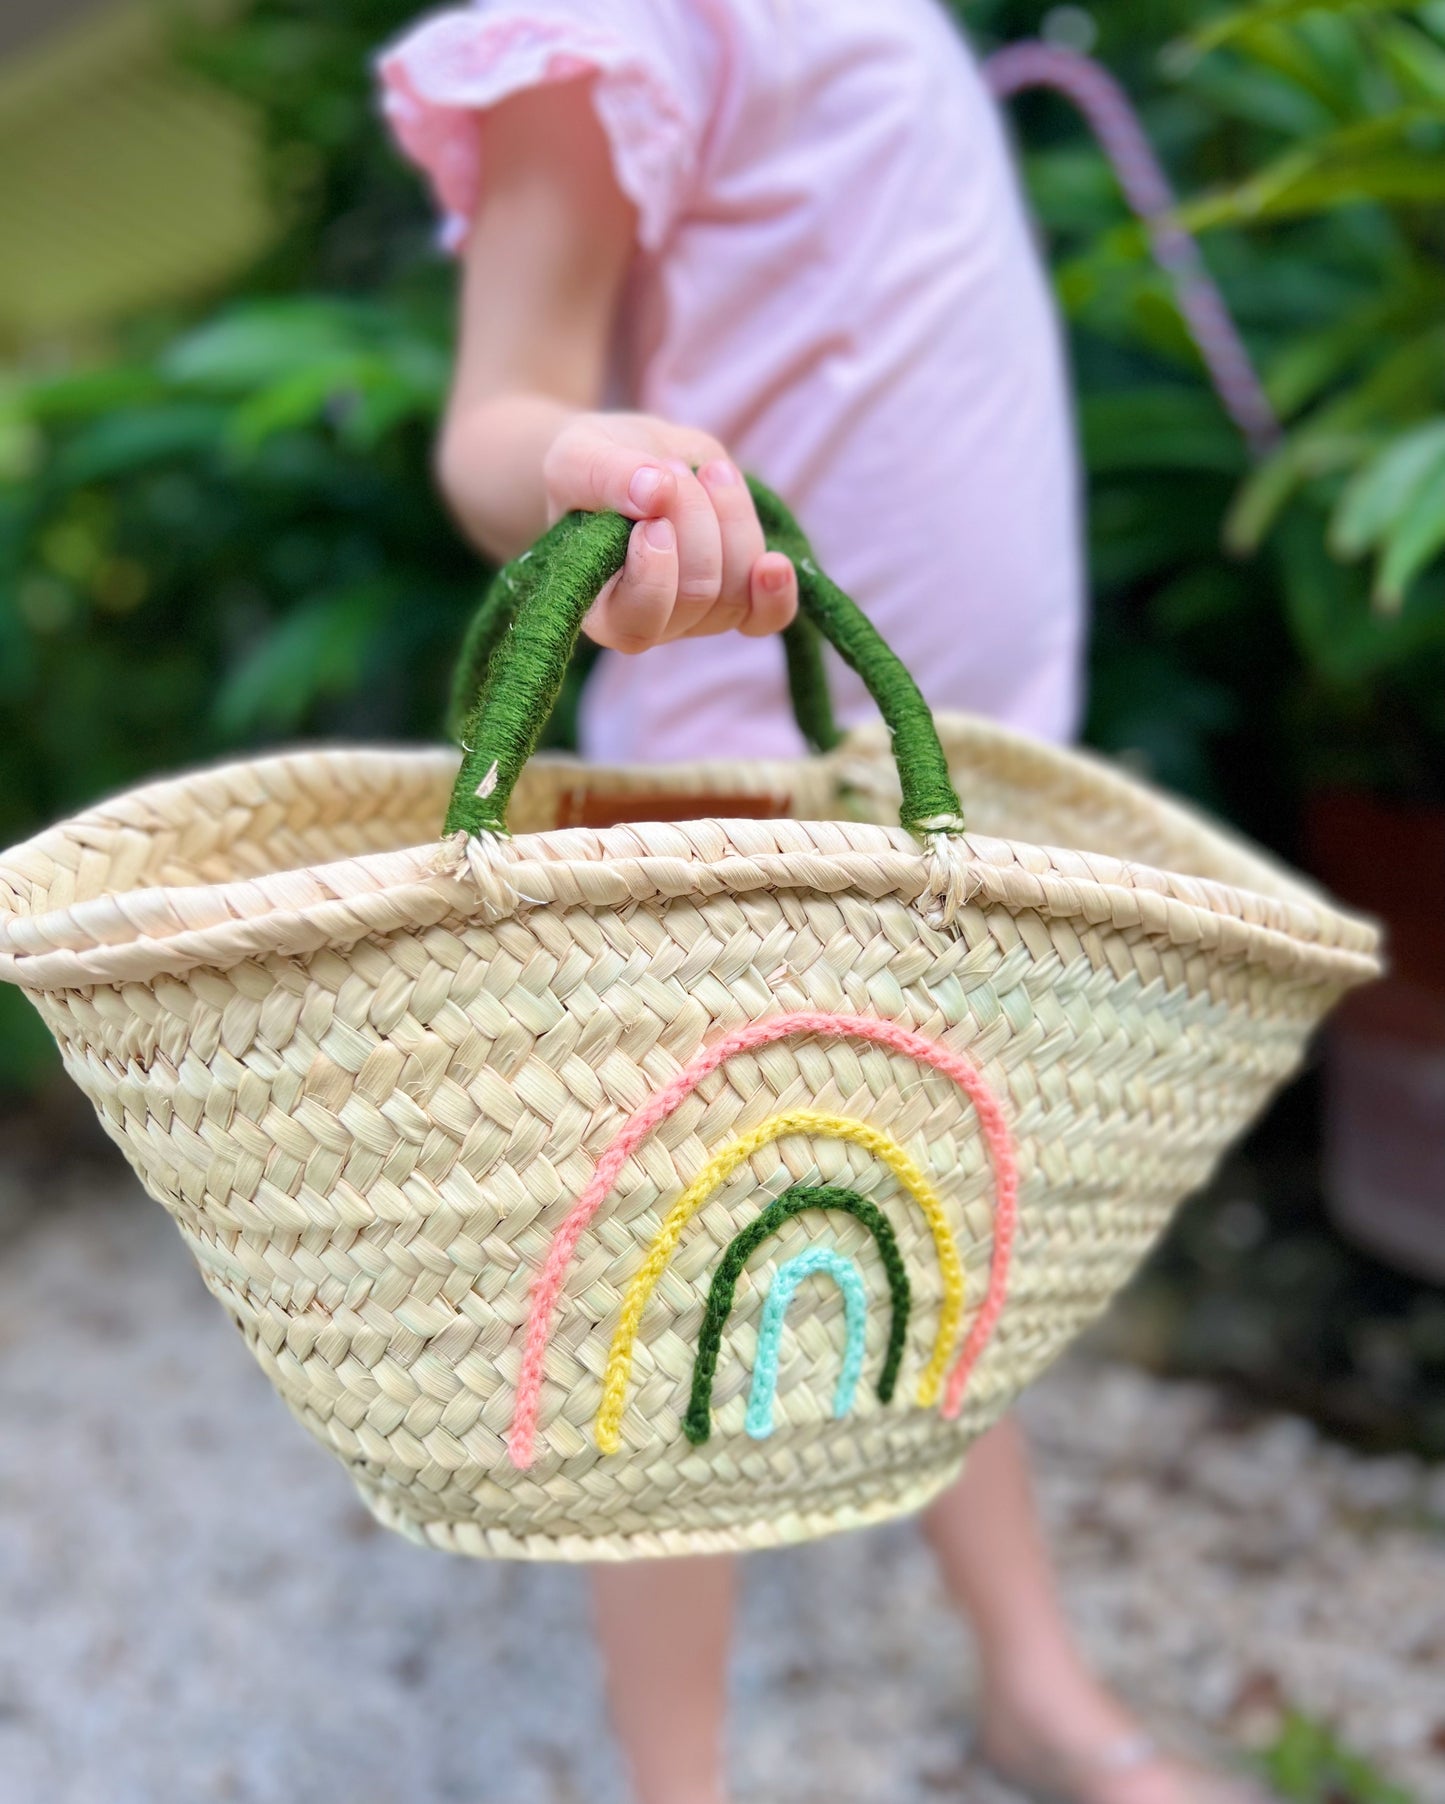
point(697, 1424)
point(517, 649)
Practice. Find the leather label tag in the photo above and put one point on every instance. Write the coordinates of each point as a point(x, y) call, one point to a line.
point(583, 807)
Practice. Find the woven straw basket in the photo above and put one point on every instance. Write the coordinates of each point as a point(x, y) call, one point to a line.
point(634, 1183)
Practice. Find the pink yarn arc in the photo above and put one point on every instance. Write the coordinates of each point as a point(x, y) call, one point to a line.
point(547, 1289)
point(1115, 124)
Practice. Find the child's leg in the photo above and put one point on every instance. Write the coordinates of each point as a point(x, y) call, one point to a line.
point(990, 1546)
point(1044, 1714)
point(664, 1627)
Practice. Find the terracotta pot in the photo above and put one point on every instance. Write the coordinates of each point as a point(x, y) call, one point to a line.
point(1384, 1170)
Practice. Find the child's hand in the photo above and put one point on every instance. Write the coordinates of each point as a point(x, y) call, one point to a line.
point(519, 441)
point(696, 561)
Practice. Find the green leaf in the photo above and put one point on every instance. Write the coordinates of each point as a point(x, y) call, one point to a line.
point(409, 382)
point(1412, 543)
point(1404, 386)
point(1415, 59)
point(315, 652)
point(1072, 188)
point(121, 443)
point(1341, 637)
point(295, 400)
point(1374, 502)
point(1309, 1764)
point(1384, 160)
point(27, 1052)
point(1310, 362)
point(1266, 492)
point(1158, 428)
point(291, 364)
point(1244, 19)
point(52, 399)
point(1324, 55)
point(262, 342)
point(1339, 435)
point(1264, 96)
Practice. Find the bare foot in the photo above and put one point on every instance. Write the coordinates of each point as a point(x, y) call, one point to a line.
point(1071, 1742)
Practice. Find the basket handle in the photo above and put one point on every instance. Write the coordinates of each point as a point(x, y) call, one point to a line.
point(514, 586)
point(526, 628)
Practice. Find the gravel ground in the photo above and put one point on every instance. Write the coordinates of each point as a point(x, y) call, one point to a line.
point(198, 1610)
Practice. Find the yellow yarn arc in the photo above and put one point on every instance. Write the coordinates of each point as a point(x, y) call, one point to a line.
point(718, 1170)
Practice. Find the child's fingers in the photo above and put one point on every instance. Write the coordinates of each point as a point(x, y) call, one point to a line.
point(741, 540)
point(699, 551)
point(633, 610)
point(586, 471)
point(773, 591)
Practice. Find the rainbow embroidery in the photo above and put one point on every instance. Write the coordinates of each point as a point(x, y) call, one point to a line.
point(718, 1169)
point(698, 1422)
point(849, 1279)
point(914, 1183)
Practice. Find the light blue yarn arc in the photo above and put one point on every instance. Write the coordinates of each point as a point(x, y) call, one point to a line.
point(845, 1274)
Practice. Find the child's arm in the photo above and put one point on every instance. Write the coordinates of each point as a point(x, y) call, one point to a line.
point(544, 267)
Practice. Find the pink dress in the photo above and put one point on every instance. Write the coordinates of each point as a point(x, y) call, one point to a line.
point(835, 276)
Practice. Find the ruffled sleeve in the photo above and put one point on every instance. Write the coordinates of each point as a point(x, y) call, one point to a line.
point(447, 70)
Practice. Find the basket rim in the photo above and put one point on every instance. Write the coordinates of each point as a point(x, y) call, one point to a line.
point(137, 934)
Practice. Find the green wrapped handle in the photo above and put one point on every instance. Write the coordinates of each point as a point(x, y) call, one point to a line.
point(519, 644)
point(512, 589)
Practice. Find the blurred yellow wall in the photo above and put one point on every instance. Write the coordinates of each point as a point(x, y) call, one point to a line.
point(124, 179)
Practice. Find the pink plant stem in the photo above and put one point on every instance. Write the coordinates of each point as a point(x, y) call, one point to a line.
point(1110, 116)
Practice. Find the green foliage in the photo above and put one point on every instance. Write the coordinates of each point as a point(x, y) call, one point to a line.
point(232, 539)
point(228, 533)
point(1261, 631)
point(1309, 1765)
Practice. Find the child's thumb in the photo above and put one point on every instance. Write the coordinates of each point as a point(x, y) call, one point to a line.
point(597, 476)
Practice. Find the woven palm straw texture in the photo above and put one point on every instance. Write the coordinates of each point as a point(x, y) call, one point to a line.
point(370, 1079)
